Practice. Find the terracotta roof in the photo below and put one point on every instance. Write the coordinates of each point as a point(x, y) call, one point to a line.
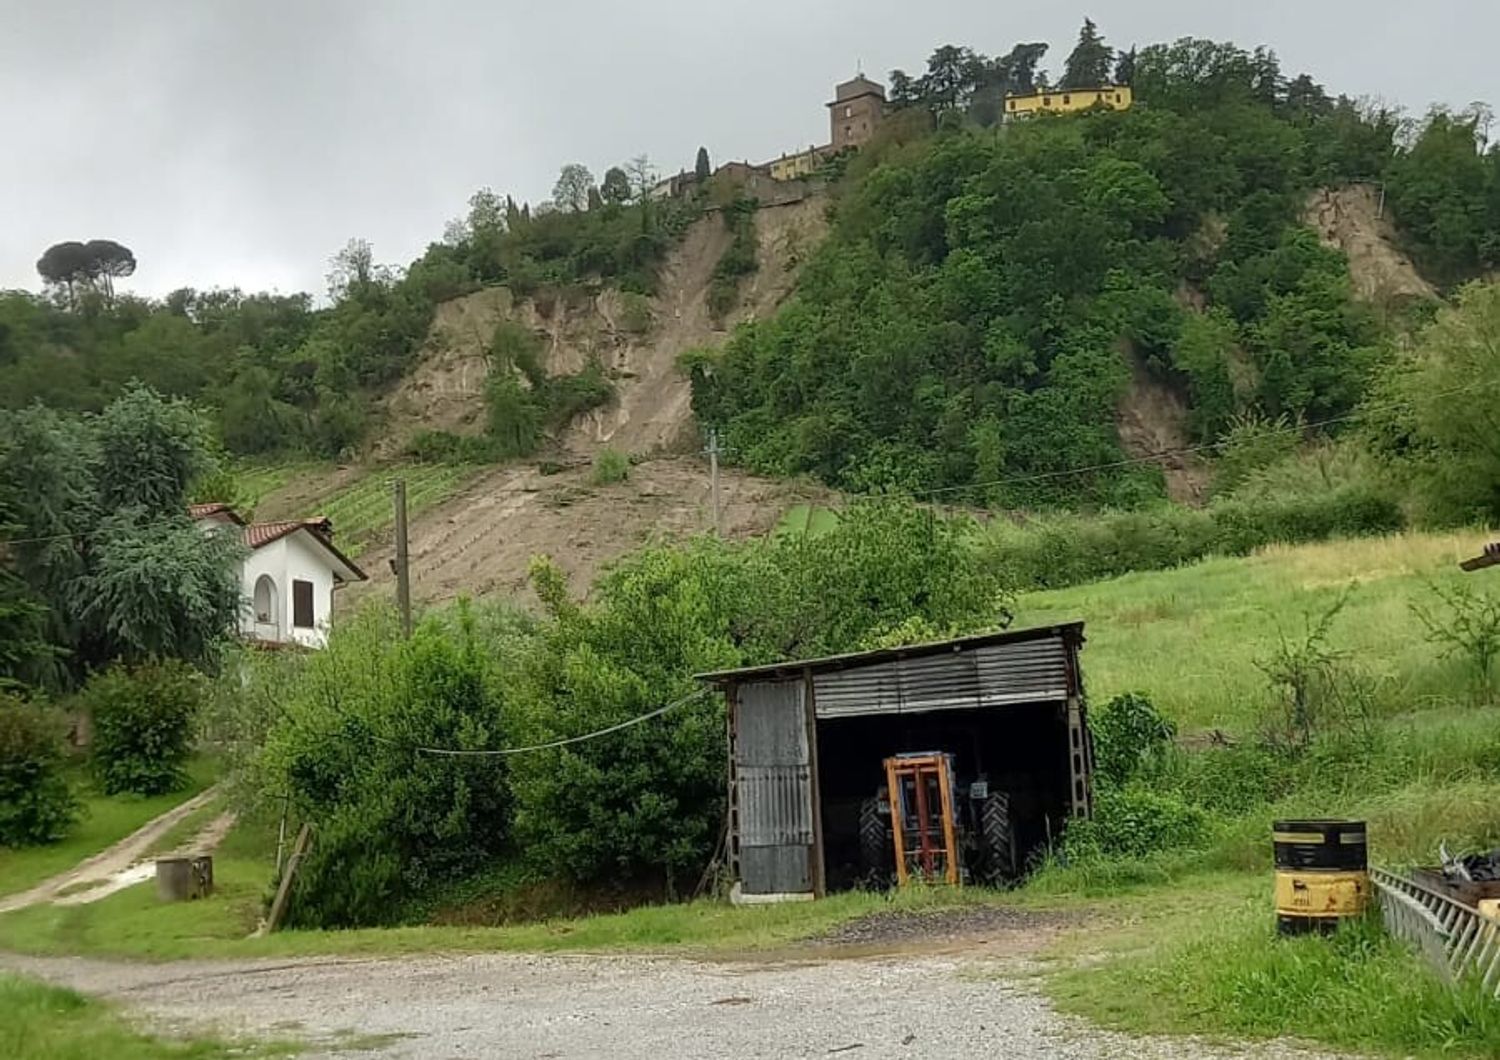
point(1489, 558)
point(212, 508)
point(259, 535)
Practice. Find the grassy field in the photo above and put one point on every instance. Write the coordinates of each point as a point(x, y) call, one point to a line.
point(1186, 936)
point(806, 519)
point(1202, 957)
point(1191, 637)
point(105, 820)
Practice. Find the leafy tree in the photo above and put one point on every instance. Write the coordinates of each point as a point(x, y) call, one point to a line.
point(143, 720)
point(615, 189)
point(392, 822)
point(645, 805)
point(36, 804)
point(99, 262)
point(571, 192)
point(1451, 386)
point(701, 169)
point(1091, 60)
point(97, 508)
point(1446, 194)
point(1125, 68)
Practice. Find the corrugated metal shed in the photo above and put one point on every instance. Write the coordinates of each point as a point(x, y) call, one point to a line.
point(774, 713)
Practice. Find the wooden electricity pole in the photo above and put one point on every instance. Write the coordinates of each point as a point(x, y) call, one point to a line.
point(713, 451)
point(403, 560)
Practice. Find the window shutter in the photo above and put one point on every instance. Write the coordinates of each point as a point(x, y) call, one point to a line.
point(302, 604)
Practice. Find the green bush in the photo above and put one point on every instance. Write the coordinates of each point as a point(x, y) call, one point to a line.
point(1133, 822)
point(391, 822)
point(1057, 551)
point(610, 466)
point(1129, 735)
point(36, 805)
point(143, 720)
point(445, 447)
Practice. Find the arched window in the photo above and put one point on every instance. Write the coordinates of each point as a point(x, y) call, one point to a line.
point(264, 601)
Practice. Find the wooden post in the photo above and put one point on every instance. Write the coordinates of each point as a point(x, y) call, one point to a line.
point(284, 889)
point(403, 560)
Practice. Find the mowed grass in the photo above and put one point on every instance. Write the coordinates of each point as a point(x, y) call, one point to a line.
point(40, 1022)
point(1190, 637)
point(134, 924)
point(105, 820)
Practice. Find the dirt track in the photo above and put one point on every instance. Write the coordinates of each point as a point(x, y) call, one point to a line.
point(626, 1008)
point(93, 878)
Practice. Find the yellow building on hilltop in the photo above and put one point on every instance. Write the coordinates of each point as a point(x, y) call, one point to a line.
point(1068, 100)
point(803, 164)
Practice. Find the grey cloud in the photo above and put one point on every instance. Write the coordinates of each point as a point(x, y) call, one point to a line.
point(232, 143)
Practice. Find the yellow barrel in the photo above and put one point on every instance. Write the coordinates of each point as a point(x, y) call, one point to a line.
point(1322, 873)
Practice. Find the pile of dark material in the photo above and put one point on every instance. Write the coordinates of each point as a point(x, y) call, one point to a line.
point(1472, 868)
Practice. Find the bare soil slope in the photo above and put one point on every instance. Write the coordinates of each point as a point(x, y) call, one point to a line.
point(1152, 418)
point(1349, 218)
point(652, 412)
point(482, 540)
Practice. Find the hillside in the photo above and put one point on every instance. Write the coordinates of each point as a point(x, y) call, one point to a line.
point(650, 412)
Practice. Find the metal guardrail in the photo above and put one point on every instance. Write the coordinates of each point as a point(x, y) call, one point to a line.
point(1454, 937)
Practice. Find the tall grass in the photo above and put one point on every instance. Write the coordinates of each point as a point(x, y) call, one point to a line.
point(1190, 637)
point(1233, 975)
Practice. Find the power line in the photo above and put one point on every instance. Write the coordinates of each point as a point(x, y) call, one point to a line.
point(658, 712)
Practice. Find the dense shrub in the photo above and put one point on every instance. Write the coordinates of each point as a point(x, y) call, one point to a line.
point(1134, 821)
point(1129, 734)
point(143, 720)
point(389, 821)
point(36, 805)
point(645, 805)
point(1055, 551)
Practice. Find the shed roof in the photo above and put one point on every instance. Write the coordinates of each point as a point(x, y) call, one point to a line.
point(858, 660)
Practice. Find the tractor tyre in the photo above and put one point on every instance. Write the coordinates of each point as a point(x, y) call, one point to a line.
point(875, 856)
point(998, 837)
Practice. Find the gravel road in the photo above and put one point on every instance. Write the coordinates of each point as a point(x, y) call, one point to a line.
point(625, 1008)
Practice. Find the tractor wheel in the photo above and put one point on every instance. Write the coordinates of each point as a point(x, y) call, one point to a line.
point(875, 856)
point(998, 837)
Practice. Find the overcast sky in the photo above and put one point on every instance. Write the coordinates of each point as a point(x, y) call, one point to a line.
point(235, 143)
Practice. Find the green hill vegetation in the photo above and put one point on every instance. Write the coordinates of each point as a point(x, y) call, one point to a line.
point(972, 322)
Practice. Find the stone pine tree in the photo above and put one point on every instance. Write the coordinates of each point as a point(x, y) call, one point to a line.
point(701, 169)
point(1089, 65)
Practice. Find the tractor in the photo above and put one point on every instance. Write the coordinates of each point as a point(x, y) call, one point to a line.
point(926, 822)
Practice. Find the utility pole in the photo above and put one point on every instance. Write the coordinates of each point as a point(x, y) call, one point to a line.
point(402, 564)
point(713, 452)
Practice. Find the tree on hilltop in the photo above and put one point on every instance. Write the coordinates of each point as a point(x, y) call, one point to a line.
point(616, 187)
point(1089, 64)
point(571, 192)
point(95, 264)
point(701, 169)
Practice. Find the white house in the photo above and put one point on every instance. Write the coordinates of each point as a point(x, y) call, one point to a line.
point(289, 575)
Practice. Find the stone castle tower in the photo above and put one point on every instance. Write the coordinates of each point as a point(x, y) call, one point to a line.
point(857, 107)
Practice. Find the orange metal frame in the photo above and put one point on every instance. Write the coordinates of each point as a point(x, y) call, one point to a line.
point(920, 769)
